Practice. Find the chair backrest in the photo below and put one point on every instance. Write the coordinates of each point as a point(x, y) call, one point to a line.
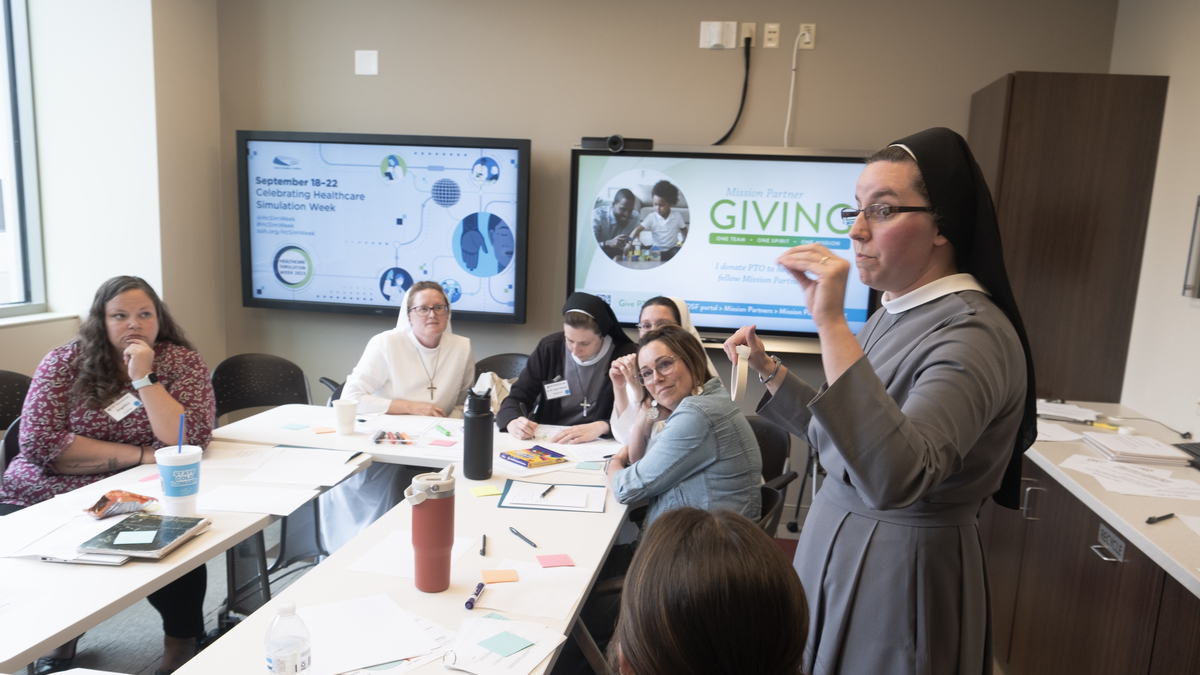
point(774, 443)
point(252, 380)
point(11, 445)
point(772, 506)
point(335, 389)
point(506, 366)
point(13, 387)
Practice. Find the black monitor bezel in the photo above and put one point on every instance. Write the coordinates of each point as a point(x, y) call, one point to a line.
point(522, 146)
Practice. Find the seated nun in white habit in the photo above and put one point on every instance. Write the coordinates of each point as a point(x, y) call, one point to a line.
point(656, 312)
point(418, 368)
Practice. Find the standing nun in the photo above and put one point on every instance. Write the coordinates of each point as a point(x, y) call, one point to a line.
point(922, 417)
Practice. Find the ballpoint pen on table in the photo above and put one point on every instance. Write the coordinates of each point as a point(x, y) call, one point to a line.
point(547, 490)
point(483, 546)
point(523, 537)
point(1156, 519)
point(352, 457)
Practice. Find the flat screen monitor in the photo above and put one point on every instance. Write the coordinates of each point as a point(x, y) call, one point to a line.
point(709, 227)
point(349, 222)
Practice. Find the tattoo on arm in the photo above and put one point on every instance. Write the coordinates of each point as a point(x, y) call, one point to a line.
point(113, 464)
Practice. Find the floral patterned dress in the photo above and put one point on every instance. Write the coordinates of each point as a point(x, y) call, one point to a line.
point(51, 418)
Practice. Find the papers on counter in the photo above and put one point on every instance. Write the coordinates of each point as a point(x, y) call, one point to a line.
point(394, 555)
point(246, 499)
point(442, 636)
point(303, 466)
point(1131, 479)
point(1066, 411)
point(469, 655)
point(362, 632)
point(59, 538)
point(241, 457)
point(550, 592)
point(1051, 432)
point(1193, 523)
point(1139, 449)
point(517, 496)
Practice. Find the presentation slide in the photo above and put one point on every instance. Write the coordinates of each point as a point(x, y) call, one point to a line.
point(708, 230)
point(357, 224)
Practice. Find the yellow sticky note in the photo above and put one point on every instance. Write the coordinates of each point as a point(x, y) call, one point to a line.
point(486, 491)
point(323, 430)
point(498, 576)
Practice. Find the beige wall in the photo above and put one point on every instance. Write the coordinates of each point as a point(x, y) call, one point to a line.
point(26, 341)
point(1162, 375)
point(554, 71)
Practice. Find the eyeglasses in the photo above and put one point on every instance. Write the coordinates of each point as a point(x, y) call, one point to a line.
point(663, 367)
point(438, 310)
point(877, 213)
point(646, 326)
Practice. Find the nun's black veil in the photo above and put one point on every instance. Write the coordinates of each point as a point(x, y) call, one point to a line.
point(966, 216)
point(600, 311)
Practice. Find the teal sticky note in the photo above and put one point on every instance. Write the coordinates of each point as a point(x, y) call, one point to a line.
point(493, 615)
point(295, 426)
point(505, 644)
point(146, 537)
point(590, 466)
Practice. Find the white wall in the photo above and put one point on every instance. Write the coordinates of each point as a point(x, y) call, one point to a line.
point(1162, 375)
point(93, 87)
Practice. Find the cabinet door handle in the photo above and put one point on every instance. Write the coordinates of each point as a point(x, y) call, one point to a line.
point(1099, 549)
point(1025, 502)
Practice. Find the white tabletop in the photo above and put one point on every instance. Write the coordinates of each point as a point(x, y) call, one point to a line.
point(1170, 543)
point(586, 537)
point(74, 598)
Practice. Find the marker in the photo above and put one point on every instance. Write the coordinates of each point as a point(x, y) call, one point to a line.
point(352, 457)
point(483, 546)
point(547, 491)
point(406, 440)
point(523, 538)
point(439, 428)
point(377, 437)
point(475, 596)
point(1155, 519)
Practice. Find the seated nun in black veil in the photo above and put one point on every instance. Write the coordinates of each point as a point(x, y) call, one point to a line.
point(565, 382)
point(923, 416)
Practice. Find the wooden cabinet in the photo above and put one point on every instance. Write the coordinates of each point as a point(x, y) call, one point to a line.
point(1070, 161)
point(1177, 640)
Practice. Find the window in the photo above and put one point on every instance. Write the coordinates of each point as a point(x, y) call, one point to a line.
point(22, 287)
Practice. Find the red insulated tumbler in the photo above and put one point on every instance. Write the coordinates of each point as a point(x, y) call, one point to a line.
point(432, 498)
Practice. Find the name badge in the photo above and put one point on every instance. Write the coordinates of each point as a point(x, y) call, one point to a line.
point(124, 405)
point(556, 389)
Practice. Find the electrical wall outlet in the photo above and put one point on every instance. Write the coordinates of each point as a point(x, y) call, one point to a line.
point(749, 30)
point(808, 36)
point(770, 35)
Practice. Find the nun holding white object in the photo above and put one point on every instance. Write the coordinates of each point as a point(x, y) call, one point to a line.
point(418, 368)
point(656, 312)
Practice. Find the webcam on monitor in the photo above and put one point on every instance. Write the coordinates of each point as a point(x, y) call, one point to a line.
point(616, 143)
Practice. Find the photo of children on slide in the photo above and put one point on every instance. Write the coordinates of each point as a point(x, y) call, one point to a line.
point(640, 219)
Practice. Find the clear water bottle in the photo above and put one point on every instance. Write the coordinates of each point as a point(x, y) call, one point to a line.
point(288, 642)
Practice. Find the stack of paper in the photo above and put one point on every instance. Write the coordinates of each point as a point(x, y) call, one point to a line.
point(1065, 411)
point(1048, 431)
point(550, 592)
point(583, 498)
point(303, 466)
point(1136, 449)
point(1131, 479)
point(362, 632)
point(442, 636)
point(497, 647)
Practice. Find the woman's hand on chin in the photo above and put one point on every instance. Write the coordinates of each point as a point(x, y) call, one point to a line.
point(139, 359)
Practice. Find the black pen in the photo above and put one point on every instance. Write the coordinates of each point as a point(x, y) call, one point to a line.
point(483, 546)
point(547, 490)
point(352, 457)
point(1155, 519)
point(523, 537)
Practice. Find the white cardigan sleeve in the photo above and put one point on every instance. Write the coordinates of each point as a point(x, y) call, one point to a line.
point(372, 373)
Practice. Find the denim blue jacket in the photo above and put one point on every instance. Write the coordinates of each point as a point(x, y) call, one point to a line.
point(706, 456)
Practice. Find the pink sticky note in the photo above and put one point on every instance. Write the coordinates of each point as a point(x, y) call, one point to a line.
point(557, 560)
point(442, 443)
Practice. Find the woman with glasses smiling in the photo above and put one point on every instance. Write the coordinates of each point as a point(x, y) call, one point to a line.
point(418, 368)
point(923, 416)
point(705, 454)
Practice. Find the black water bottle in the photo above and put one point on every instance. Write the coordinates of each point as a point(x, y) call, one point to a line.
point(479, 423)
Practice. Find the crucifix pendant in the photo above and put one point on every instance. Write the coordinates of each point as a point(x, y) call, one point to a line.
point(585, 405)
point(431, 389)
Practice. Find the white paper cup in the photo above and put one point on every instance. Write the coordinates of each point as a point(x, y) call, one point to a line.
point(179, 468)
point(344, 412)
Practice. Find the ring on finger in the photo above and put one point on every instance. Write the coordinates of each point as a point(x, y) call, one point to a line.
point(823, 260)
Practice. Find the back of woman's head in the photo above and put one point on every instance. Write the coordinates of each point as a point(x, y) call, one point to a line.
point(709, 592)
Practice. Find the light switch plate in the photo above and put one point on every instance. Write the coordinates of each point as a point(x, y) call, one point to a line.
point(366, 62)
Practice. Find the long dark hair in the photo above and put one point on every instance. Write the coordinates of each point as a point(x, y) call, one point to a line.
point(101, 373)
point(709, 592)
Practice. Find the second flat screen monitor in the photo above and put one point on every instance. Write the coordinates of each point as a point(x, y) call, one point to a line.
point(709, 228)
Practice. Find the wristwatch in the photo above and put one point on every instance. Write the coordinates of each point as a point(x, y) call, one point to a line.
point(773, 372)
point(145, 381)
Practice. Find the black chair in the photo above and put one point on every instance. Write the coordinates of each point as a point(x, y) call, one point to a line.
point(251, 381)
point(774, 443)
point(506, 366)
point(335, 387)
point(13, 388)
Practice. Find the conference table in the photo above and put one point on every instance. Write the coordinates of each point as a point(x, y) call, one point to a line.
point(50, 603)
